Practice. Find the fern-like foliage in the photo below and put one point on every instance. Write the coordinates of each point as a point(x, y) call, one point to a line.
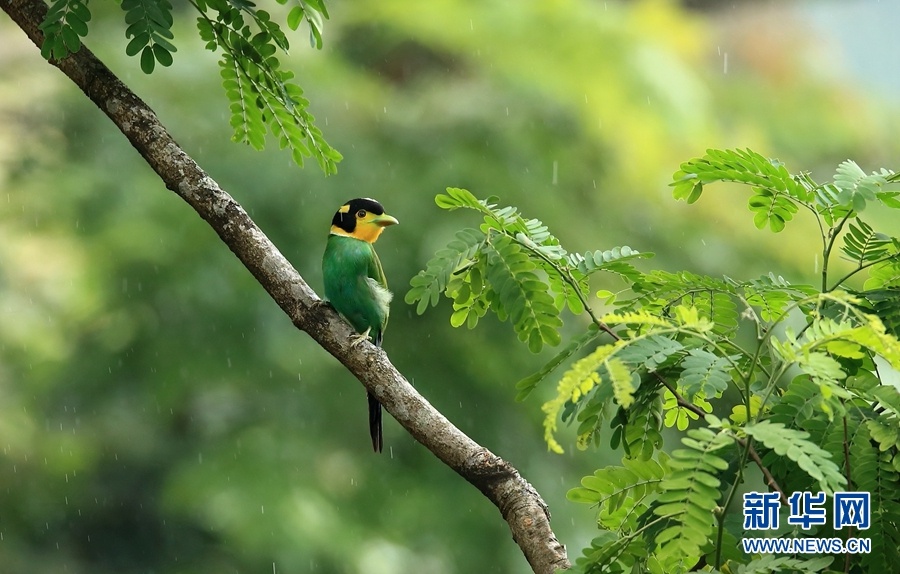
point(150, 32)
point(792, 443)
point(580, 381)
point(428, 285)
point(775, 192)
point(772, 564)
point(516, 268)
point(798, 367)
point(520, 295)
point(622, 494)
point(263, 98)
point(638, 428)
point(65, 24)
point(862, 244)
point(885, 304)
point(705, 373)
point(313, 12)
point(874, 472)
point(689, 496)
point(856, 188)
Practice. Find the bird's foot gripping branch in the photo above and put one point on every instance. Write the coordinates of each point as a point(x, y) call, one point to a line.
point(786, 378)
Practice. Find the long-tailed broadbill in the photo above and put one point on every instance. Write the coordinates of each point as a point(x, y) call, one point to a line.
point(354, 280)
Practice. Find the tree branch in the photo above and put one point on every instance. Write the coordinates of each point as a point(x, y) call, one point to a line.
point(519, 503)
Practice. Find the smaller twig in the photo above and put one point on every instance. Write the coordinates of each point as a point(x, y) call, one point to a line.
point(840, 281)
point(720, 516)
point(769, 479)
point(826, 254)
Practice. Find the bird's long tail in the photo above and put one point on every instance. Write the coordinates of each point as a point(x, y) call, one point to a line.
point(375, 422)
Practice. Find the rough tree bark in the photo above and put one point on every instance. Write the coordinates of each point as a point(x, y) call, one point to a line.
point(519, 503)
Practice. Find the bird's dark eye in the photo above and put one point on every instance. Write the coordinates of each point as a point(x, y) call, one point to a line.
point(361, 213)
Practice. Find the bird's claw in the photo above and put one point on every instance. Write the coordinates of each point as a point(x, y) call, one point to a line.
point(357, 339)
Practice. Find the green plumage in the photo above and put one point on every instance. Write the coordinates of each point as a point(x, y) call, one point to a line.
point(356, 287)
point(355, 284)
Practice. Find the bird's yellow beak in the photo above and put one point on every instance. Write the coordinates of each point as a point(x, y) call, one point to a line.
point(384, 220)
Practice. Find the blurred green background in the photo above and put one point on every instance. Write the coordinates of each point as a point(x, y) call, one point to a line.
point(158, 413)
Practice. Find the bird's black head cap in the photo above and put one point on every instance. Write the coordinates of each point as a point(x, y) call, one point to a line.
point(345, 218)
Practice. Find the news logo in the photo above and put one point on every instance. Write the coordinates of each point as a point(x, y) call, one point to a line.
point(762, 511)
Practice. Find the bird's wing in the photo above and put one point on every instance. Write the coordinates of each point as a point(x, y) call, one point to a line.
point(380, 292)
point(375, 270)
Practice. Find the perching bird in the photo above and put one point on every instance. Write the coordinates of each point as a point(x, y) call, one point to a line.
point(354, 280)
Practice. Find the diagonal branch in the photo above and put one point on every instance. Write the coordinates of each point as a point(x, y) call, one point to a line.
point(519, 503)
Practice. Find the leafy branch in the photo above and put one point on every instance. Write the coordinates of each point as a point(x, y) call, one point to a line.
point(263, 98)
point(677, 352)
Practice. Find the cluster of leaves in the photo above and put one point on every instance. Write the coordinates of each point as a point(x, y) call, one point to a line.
point(514, 267)
point(65, 24)
point(758, 372)
point(263, 97)
point(150, 31)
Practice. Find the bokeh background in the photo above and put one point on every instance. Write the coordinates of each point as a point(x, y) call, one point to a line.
point(159, 414)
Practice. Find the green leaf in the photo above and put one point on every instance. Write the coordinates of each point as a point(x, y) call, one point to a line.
point(800, 402)
point(622, 493)
point(456, 198)
point(295, 17)
point(263, 98)
point(773, 294)
point(641, 424)
point(740, 166)
point(318, 5)
point(689, 494)
point(771, 207)
point(162, 55)
point(884, 275)
point(64, 24)
point(649, 353)
point(856, 188)
point(613, 260)
point(148, 62)
point(687, 187)
point(137, 44)
point(579, 380)
point(77, 25)
point(862, 244)
point(769, 563)
point(427, 285)
point(705, 373)
point(889, 199)
point(817, 463)
point(70, 39)
point(521, 294)
point(885, 303)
